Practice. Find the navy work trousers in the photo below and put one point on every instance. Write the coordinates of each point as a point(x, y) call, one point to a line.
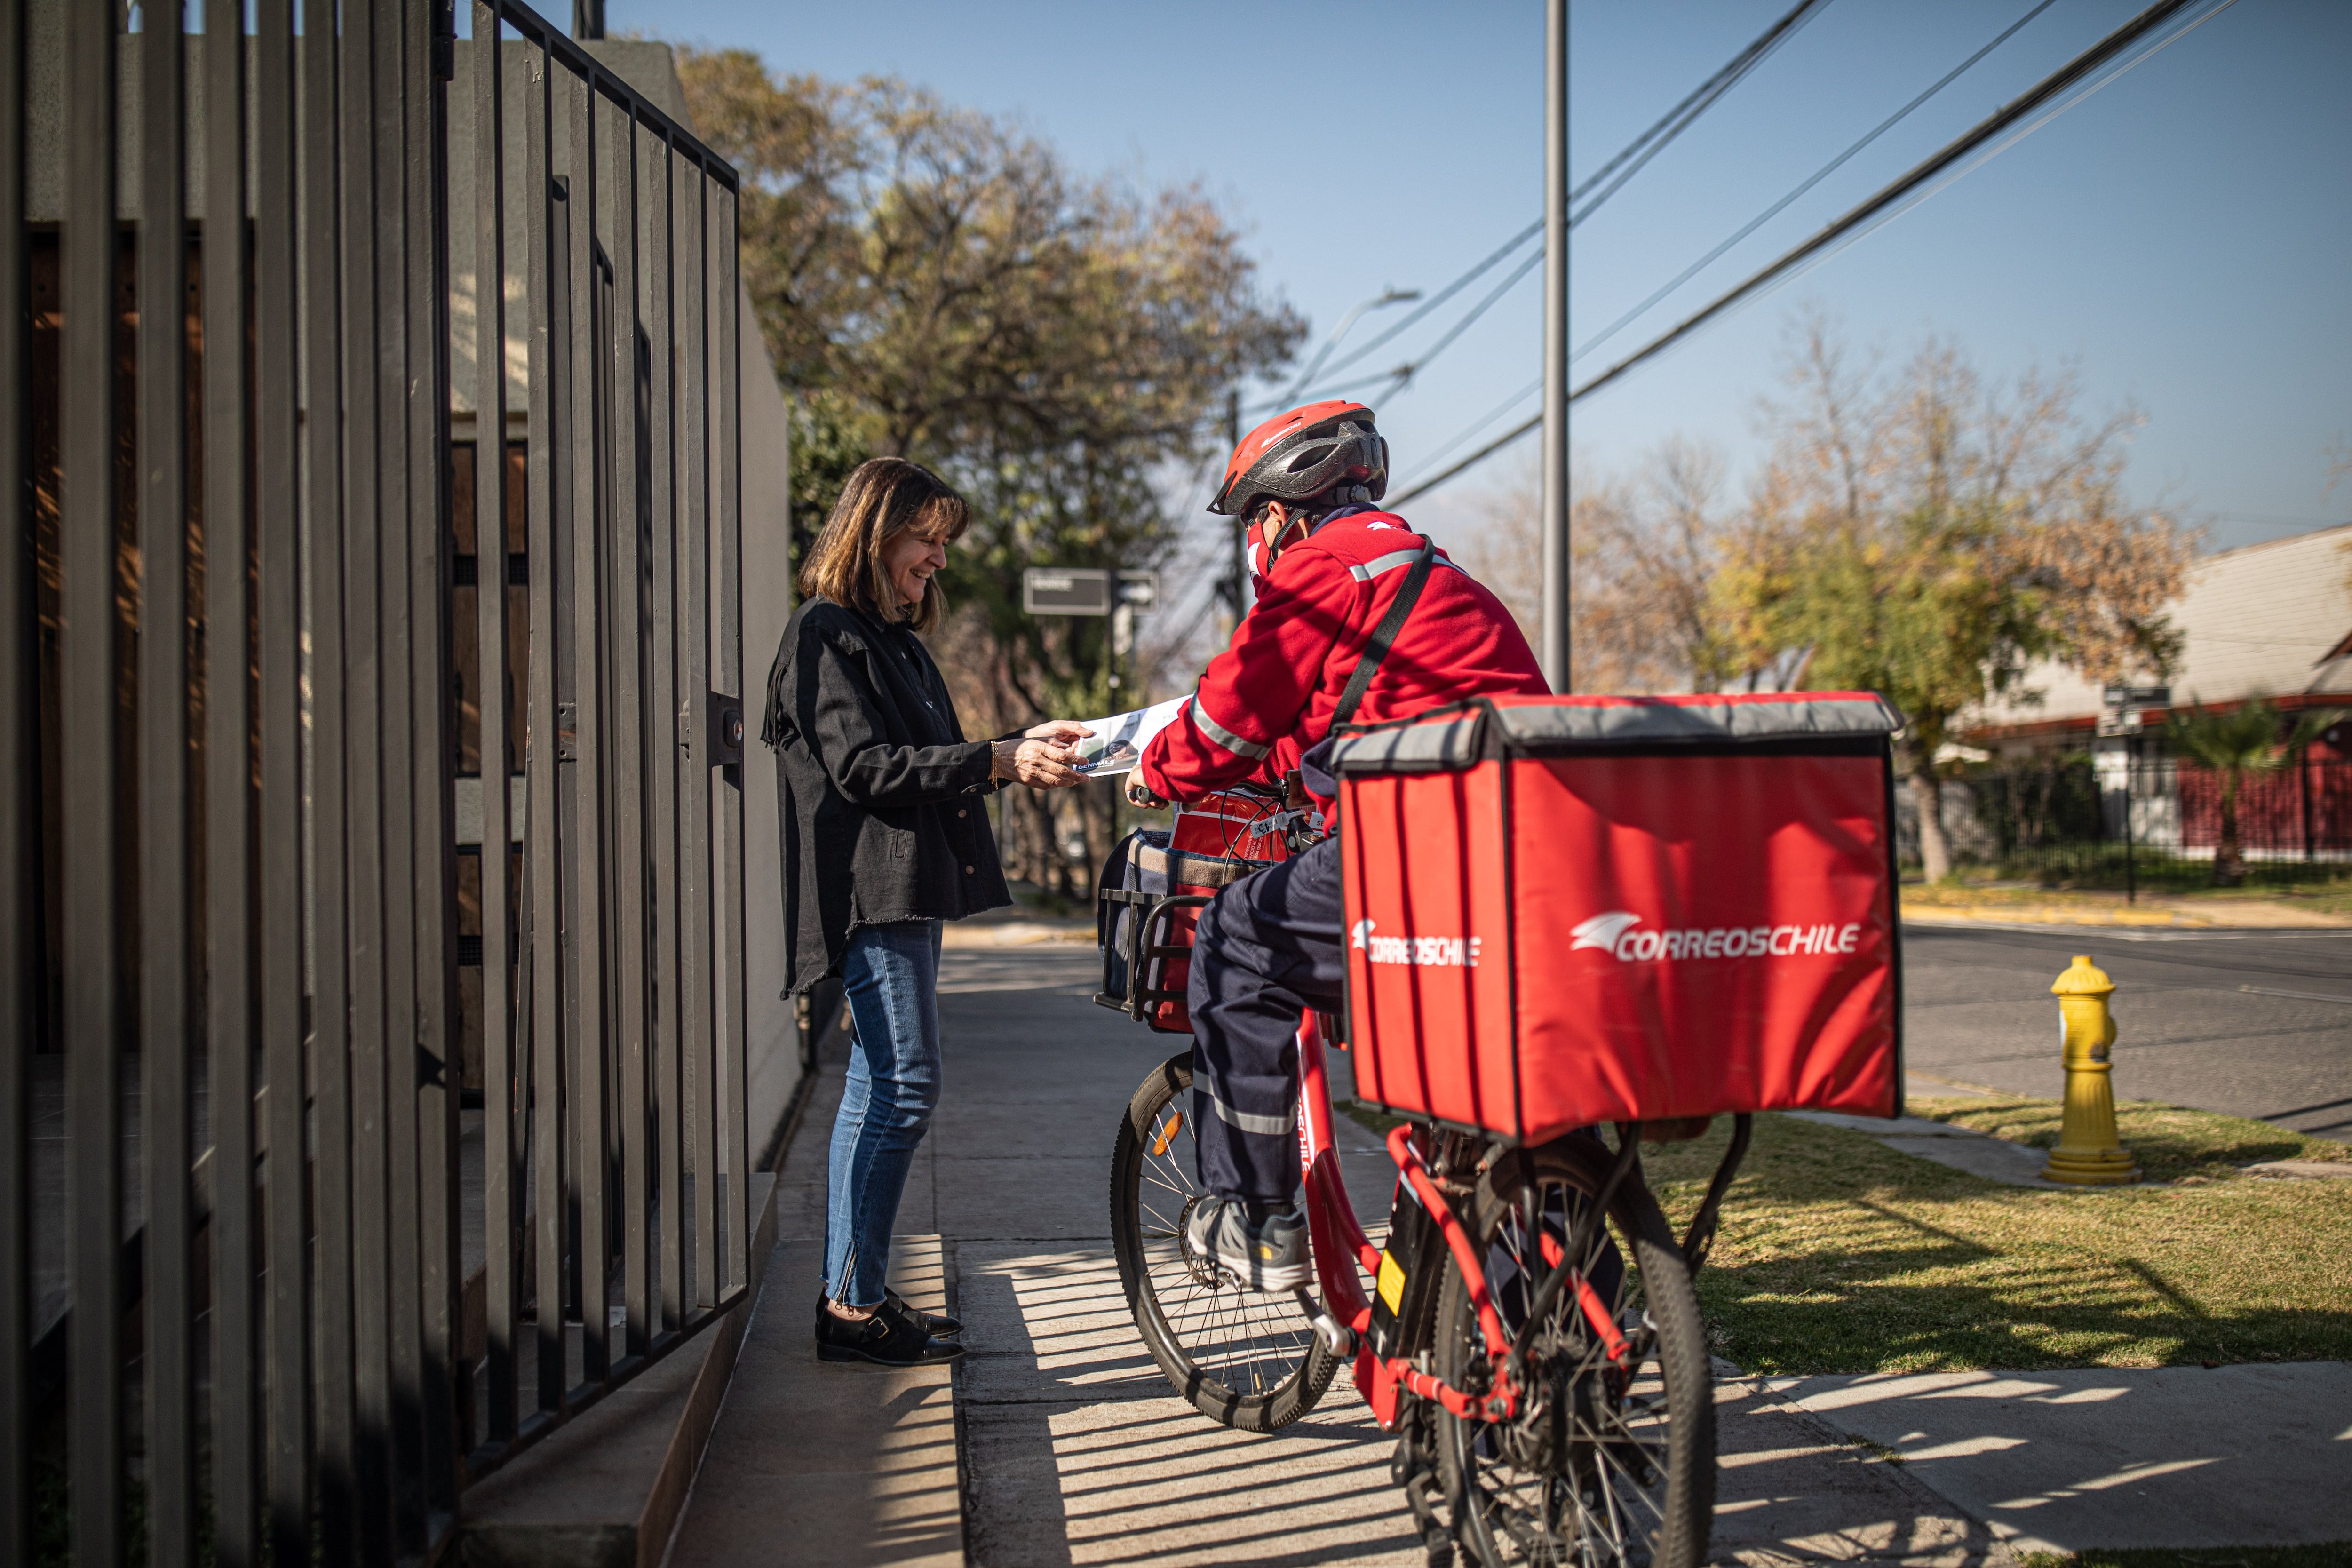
point(1266, 949)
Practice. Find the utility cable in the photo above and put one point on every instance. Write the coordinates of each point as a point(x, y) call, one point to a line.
point(1641, 148)
point(1434, 300)
point(1472, 428)
point(1698, 103)
point(1824, 172)
point(2068, 75)
point(1406, 371)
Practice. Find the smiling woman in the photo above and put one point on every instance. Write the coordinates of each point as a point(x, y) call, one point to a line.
point(884, 838)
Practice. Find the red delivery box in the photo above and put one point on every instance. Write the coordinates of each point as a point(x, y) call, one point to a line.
point(1564, 910)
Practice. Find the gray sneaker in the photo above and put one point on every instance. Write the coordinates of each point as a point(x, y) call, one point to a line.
point(1269, 1256)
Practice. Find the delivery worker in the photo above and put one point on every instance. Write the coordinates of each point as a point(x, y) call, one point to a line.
point(1330, 571)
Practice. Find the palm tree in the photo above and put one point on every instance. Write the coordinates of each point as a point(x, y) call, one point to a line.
point(2237, 743)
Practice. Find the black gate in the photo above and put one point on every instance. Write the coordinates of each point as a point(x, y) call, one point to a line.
point(360, 1121)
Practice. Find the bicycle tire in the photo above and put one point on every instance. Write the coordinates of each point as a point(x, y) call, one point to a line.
point(1587, 1504)
point(1250, 1361)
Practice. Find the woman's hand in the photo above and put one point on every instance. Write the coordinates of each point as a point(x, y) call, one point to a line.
point(1061, 732)
point(1039, 762)
point(1140, 796)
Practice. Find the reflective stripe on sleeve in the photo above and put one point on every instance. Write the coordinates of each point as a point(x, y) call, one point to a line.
point(1271, 1126)
point(1222, 736)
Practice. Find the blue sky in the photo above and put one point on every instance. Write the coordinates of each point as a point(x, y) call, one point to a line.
point(2182, 235)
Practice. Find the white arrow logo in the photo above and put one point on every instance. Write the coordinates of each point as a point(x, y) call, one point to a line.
point(1602, 930)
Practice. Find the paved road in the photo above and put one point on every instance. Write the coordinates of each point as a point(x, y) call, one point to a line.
point(2252, 1023)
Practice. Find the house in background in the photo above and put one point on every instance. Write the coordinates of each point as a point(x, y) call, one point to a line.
point(2267, 621)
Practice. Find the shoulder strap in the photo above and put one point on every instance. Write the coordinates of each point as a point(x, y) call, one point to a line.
point(1369, 663)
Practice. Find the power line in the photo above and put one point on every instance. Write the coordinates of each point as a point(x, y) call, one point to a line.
point(1471, 461)
point(1477, 425)
point(1434, 300)
point(1824, 172)
point(1412, 367)
point(1698, 103)
point(1641, 150)
point(2042, 92)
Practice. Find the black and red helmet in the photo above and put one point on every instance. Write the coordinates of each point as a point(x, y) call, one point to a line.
point(1308, 452)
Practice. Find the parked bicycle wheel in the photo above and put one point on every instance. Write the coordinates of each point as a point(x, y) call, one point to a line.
point(1610, 1462)
point(1248, 1360)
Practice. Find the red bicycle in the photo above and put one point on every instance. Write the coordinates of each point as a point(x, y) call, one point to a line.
point(1568, 912)
point(1546, 1370)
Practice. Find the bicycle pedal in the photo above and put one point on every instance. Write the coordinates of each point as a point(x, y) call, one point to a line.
point(1337, 1338)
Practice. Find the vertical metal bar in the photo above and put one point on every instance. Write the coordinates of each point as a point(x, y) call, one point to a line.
point(321, 258)
point(229, 971)
point(20, 875)
point(88, 772)
point(1557, 561)
point(626, 640)
point(501, 1200)
point(166, 1046)
point(395, 747)
point(543, 743)
point(433, 687)
point(587, 935)
point(277, 424)
point(733, 1023)
point(364, 506)
point(666, 760)
point(694, 803)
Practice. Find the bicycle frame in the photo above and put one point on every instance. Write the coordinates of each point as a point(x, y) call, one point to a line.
point(1340, 1247)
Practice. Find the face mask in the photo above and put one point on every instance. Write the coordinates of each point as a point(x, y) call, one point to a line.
point(1266, 541)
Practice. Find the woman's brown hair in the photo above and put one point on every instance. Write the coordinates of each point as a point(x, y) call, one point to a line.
point(884, 498)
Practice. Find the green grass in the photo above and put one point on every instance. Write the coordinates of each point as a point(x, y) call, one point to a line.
point(2171, 1143)
point(2331, 1554)
point(2322, 886)
point(1365, 1116)
point(1837, 1255)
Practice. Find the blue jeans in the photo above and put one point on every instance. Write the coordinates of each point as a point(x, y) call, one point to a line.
point(891, 973)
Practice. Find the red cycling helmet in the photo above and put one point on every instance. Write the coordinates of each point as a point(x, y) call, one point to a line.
point(1303, 454)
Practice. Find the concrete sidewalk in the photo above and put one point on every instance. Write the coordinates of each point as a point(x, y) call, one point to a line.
point(2068, 1460)
point(1073, 1449)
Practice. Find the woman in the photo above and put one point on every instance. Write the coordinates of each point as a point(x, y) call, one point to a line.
point(885, 837)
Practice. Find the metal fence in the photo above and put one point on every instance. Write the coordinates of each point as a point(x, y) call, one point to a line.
point(272, 1286)
point(2082, 817)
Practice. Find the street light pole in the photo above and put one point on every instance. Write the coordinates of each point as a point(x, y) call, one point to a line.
point(1556, 566)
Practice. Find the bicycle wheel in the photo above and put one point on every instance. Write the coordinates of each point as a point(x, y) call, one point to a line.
point(1250, 1361)
point(1608, 1463)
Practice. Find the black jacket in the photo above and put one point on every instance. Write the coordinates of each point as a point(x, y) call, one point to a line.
point(881, 800)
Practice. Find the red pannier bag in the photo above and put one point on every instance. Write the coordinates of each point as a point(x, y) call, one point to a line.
point(1565, 911)
point(1148, 897)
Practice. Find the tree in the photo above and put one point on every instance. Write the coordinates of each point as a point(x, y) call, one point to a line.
point(2239, 743)
point(1645, 551)
point(1927, 535)
point(935, 284)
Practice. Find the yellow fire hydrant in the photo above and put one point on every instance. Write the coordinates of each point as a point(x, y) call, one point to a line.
point(2088, 1154)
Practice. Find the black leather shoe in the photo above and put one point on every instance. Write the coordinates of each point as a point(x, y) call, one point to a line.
point(889, 1337)
point(930, 1323)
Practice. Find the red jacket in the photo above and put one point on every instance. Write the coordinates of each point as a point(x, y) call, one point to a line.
point(1270, 697)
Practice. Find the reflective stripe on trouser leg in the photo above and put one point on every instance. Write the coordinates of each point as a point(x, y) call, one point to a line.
point(1280, 1126)
point(1266, 948)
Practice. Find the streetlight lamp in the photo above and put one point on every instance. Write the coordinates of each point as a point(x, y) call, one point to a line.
point(1378, 301)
